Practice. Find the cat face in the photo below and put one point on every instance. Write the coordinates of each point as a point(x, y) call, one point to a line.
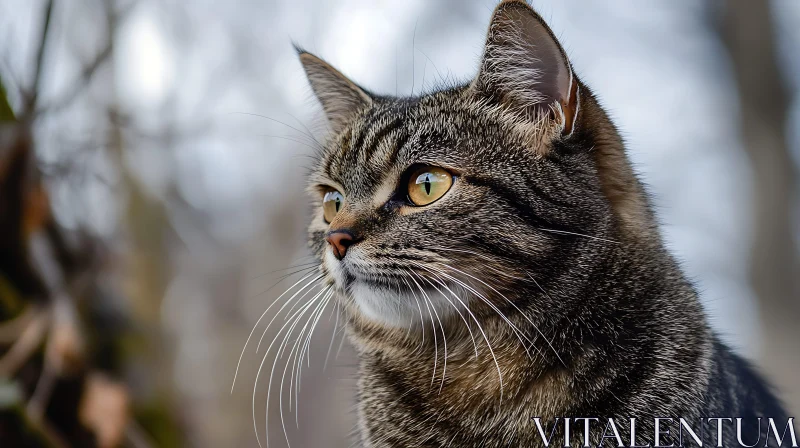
point(443, 205)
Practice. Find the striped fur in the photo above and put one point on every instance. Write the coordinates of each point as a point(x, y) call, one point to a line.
point(542, 268)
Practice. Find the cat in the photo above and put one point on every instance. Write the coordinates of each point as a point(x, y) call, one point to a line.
point(499, 265)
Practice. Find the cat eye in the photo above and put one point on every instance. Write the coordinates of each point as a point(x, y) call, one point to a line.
point(332, 202)
point(427, 184)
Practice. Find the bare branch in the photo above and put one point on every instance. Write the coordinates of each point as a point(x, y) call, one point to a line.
point(83, 81)
point(26, 344)
point(37, 78)
point(11, 330)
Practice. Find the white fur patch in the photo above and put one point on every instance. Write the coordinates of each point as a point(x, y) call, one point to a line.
point(399, 306)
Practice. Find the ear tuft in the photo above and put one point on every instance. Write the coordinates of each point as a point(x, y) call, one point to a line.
point(524, 67)
point(341, 98)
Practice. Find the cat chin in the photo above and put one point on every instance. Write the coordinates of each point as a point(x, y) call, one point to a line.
point(401, 308)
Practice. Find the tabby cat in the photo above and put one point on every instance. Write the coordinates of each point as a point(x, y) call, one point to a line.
point(500, 267)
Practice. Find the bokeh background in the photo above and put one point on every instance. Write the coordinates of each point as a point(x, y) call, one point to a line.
point(174, 135)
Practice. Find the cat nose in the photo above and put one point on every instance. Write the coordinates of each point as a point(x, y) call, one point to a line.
point(340, 240)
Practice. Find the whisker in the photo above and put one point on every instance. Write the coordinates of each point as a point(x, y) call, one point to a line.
point(441, 385)
point(444, 344)
point(295, 346)
point(484, 257)
point(308, 135)
point(287, 275)
point(256, 326)
point(291, 139)
point(312, 284)
point(516, 330)
point(491, 351)
point(564, 232)
point(304, 348)
point(308, 131)
point(289, 320)
point(433, 328)
point(444, 337)
point(421, 319)
point(535, 327)
point(337, 311)
point(315, 262)
point(341, 343)
point(452, 304)
point(293, 320)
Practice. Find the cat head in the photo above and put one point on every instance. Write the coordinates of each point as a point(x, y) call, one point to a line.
point(469, 196)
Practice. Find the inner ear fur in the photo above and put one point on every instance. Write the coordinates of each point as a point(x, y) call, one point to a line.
point(525, 69)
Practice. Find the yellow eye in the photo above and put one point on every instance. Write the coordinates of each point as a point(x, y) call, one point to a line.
point(428, 184)
point(332, 202)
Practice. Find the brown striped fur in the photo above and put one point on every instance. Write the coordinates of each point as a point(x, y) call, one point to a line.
point(543, 257)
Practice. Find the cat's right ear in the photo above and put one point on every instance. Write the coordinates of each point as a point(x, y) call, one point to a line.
point(341, 98)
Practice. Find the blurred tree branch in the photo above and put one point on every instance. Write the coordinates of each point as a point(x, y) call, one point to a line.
point(37, 78)
point(81, 83)
point(749, 33)
point(53, 393)
point(6, 113)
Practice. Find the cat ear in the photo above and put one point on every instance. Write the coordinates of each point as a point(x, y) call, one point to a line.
point(339, 96)
point(524, 67)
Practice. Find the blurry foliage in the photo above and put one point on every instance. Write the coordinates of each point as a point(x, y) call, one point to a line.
point(159, 423)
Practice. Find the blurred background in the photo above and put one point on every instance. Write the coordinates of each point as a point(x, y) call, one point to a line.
point(152, 163)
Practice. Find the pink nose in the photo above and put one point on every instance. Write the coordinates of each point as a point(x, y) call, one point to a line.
point(340, 240)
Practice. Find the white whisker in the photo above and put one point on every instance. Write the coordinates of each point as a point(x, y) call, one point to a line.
point(564, 232)
point(290, 320)
point(517, 332)
point(294, 349)
point(491, 351)
point(441, 326)
point(311, 284)
point(304, 348)
point(535, 327)
point(428, 305)
point(471, 335)
point(256, 326)
point(421, 319)
point(337, 311)
point(281, 350)
point(484, 257)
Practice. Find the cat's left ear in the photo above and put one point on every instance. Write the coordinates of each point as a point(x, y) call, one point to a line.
point(341, 98)
point(525, 68)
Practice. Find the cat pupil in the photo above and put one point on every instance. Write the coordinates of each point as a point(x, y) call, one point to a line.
point(427, 184)
point(338, 204)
